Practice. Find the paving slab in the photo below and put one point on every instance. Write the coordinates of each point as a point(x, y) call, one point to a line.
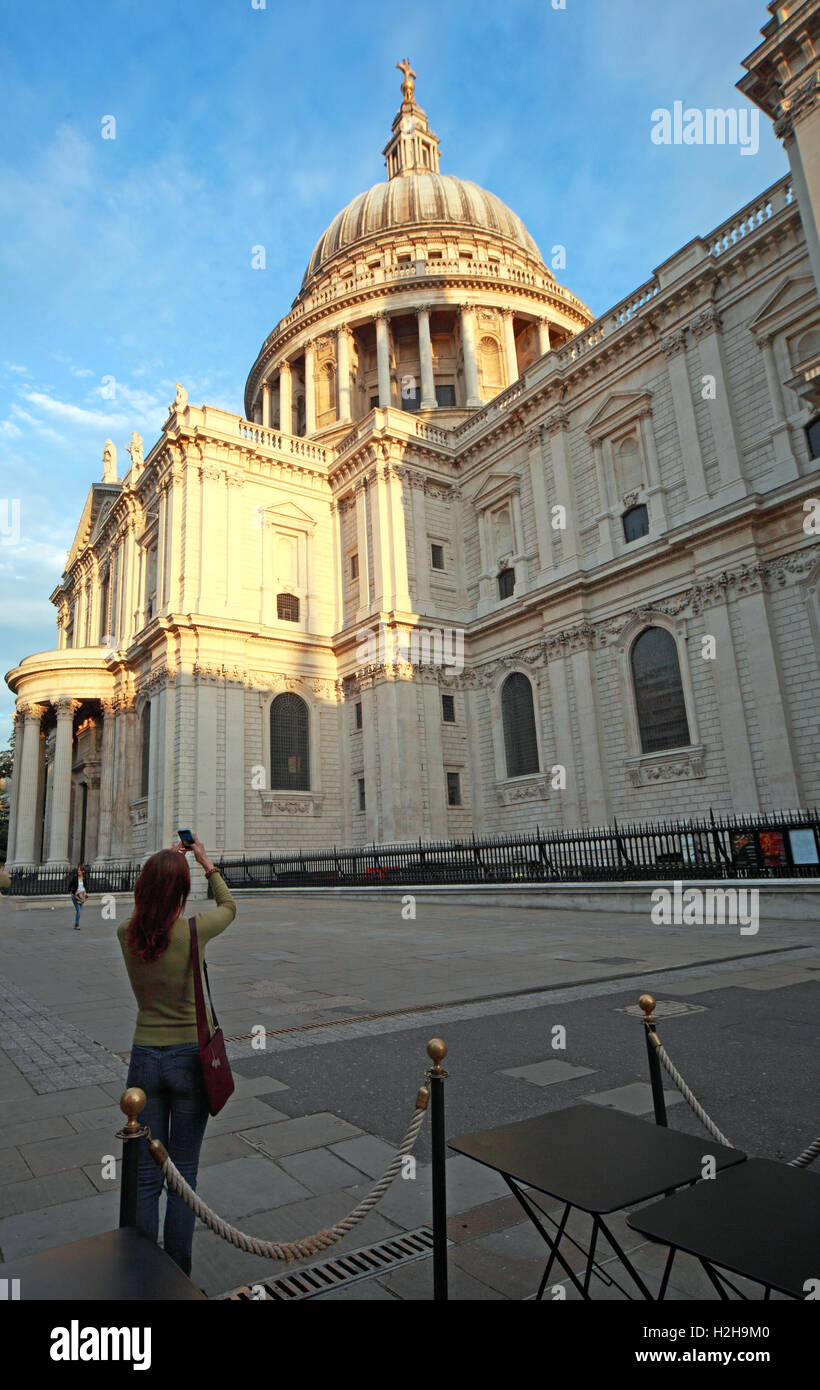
point(13, 1167)
point(414, 1282)
point(29, 1131)
point(292, 1136)
point(634, 1099)
point(547, 1073)
point(320, 1171)
point(70, 1151)
point(372, 1156)
point(32, 1194)
point(68, 1220)
point(238, 1187)
point(242, 1114)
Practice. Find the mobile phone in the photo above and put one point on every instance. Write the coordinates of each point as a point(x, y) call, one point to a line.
point(186, 837)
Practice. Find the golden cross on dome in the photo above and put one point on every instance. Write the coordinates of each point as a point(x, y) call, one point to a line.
point(407, 85)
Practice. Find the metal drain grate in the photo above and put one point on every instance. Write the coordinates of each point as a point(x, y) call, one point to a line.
point(669, 1008)
point(344, 1269)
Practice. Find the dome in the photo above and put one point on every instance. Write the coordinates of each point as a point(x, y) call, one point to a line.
point(419, 200)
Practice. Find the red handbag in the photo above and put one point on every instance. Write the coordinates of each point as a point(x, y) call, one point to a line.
point(216, 1069)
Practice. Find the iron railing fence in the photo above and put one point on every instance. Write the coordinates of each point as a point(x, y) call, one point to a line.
point(104, 878)
point(784, 844)
point(774, 845)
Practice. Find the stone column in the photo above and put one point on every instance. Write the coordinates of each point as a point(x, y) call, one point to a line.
point(61, 782)
point(428, 386)
point(361, 543)
point(785, 464)
point(14, 790)
point(266, 404)
point(564, 745)
point(590, 730)
point(604, 517)
point(379, 497)
point(310, 389)
point(656, 492)
point(799, 129)
point(543, 336)
point(106, 782)
point(510, 354)
point(434, 749)
point(29, 782)
point(728, 695)
point(342, 374)
point(776, 734)
point(557, 426)
point(285, 398)
point(420, 546)
point(383, 358)
point(469, 355)
point(674, 348)
point(538, 483)
point(706, 328)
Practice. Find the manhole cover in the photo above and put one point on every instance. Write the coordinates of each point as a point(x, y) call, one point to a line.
point(668, 1008)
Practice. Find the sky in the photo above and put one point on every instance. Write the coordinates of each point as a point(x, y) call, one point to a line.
point(126, 262)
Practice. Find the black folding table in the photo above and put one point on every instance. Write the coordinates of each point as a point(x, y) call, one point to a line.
point(117, 1266)
point(760, 1220)
point(593, 1158)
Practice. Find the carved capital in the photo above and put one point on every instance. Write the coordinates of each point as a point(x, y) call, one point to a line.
point(66, 707)
point(31, 712)
point(559, 420)
point(674, 343)
point(707, 321)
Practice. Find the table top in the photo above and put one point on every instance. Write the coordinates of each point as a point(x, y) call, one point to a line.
point(115, 1266)
point(761, 1220)
point(595, 1158)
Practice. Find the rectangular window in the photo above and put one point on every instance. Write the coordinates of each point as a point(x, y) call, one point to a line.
point(445, 395)
point(358, 708)
point(287, 608)
point(506, 583)
point(374, 401)
point(437, 557)
point(354, 567)
point(448, 709)
point(361, 794)
point(453, 788)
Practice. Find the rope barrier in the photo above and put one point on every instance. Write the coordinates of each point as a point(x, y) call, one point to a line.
point(688, 1095)
point(293, 1249)
point(808, 1155)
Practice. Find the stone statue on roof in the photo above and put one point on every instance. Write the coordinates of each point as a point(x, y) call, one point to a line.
point(109, 462)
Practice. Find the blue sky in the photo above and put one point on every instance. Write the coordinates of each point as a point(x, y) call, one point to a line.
point(131, 258)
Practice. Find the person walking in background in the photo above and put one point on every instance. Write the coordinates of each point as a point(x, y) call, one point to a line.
point(77, 889)
point(156, 947)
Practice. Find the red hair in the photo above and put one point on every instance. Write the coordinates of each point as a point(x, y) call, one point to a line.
point(160, 894)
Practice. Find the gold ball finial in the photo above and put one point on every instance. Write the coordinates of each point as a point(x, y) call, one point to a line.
point(132, 1102)
point(647, 1003)
point(437, 1051)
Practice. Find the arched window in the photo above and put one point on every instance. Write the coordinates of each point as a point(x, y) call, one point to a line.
point(489, 358)
point(659, 701)
point(628, 466)
point(145, 747)
point(289, 744)
point(327, 390)
point(518, 718)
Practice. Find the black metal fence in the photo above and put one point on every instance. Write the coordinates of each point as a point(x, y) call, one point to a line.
point(782, 845)
point(107, 878)
point(775, 845)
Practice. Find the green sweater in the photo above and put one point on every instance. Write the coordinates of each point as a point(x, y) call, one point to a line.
point(164, 988)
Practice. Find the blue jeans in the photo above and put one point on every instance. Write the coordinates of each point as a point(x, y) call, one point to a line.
point(78, 907)
point(177, 1113)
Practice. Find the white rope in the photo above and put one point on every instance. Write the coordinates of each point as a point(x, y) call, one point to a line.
point(293, 1249)
point(690, 1096)
point(808, 1155)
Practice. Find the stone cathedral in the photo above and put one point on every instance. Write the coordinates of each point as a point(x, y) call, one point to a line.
point(470, 560)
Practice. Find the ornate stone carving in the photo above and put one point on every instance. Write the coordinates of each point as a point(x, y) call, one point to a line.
point(135, 450)
point(297, 804)
point(707, 321)
point(511, 793)
point(180, 401)
point(674, 343)
point(664, 767)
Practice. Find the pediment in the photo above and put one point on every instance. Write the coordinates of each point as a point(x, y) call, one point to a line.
point(286, 510)
point(790, 297)
point(496, 485)
point(618, 409)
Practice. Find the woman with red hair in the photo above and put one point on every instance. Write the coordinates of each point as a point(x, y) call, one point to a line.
point(156, 945)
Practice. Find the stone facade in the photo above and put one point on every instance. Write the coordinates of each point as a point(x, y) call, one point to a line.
point(431, 490)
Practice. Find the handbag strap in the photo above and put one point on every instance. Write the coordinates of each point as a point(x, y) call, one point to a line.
point(203, 1032)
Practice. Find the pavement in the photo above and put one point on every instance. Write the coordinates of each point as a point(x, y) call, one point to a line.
point(332, 1002)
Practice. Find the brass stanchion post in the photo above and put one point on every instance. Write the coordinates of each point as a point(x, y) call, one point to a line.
point(436, 1051)
point(132, 1102)
point(647, 1003)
